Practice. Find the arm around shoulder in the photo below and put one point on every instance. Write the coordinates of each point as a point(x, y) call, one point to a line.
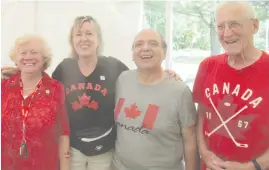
point(60, 69)
point(119, 64)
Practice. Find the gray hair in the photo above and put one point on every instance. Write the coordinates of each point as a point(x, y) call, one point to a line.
point(244, 5)
point(163, 42)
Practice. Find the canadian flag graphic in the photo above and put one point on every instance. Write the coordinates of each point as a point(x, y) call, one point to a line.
point(132, 112)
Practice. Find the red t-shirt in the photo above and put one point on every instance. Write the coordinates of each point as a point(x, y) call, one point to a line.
point(47, 120)
point(235, 105)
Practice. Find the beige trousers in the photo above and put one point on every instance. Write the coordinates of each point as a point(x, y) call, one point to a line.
point(79, 161)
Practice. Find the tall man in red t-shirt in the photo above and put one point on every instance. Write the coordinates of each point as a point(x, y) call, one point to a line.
point(232, 90)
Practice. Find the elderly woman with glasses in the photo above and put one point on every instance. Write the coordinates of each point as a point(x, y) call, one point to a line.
point(35, 126)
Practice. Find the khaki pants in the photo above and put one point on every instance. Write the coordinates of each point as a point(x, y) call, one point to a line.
point(79, 161)
point(113, 166)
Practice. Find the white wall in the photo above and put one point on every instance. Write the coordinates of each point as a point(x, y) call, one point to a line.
point(16, 20)
point(120, 21)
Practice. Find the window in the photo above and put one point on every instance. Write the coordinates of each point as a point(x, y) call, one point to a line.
point(154, 16)
point(193, 34)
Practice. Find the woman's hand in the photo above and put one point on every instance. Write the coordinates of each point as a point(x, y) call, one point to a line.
point(173, 75)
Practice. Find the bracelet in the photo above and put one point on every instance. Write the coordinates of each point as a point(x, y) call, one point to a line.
point(256, 165)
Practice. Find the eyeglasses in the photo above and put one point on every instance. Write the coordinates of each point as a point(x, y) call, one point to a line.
point(232, 25)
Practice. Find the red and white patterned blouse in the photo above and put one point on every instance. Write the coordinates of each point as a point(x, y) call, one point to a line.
point(47, 120)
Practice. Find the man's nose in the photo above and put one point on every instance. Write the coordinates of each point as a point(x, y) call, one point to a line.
point(145, 46)
point(227, 32)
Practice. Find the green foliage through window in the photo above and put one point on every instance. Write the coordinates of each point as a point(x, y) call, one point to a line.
point(192, 22)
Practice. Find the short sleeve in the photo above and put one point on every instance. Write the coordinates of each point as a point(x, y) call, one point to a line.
point(57, 73)
point(117, 87)
point(122, 67)
point(187, 111)
point(4, 123)
point(198, 82)
point(3, 85)
point(63, 121)
point(118, 65)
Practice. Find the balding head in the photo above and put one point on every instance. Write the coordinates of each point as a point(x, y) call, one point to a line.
point(151, 31)
point(236, 26)
point(149, 50)
point(242, 7)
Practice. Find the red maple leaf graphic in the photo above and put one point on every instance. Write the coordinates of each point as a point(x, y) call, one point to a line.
point(94, 105)
point(132, 111)
point(84, 99)
point(243, 123)
point(237, 125)
point(76, 105)
point(263, 128)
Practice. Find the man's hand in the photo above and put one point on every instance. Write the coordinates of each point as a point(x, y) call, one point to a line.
point(6, 72)
point(173, 75)
point(237, 166)
point(212, 161)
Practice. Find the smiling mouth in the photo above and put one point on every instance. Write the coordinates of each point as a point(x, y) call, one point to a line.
point(230, 42)
point(29, 64)
point(85, 46)
point(146, 57)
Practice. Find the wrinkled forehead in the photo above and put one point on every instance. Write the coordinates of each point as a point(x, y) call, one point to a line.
point(230, 13)
point(147, 36)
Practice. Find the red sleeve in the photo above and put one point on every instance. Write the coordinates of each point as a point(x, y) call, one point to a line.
point(3, 85)
point(199, 81)
point(6, 159)
point(62, 112)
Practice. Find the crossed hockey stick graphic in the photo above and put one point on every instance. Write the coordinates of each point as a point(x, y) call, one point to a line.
point(223, 123)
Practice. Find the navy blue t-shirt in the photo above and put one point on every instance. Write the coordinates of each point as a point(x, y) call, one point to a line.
point(90, 101)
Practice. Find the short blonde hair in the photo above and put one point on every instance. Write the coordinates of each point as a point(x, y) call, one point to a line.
point(22, 40)
point(79, 21)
